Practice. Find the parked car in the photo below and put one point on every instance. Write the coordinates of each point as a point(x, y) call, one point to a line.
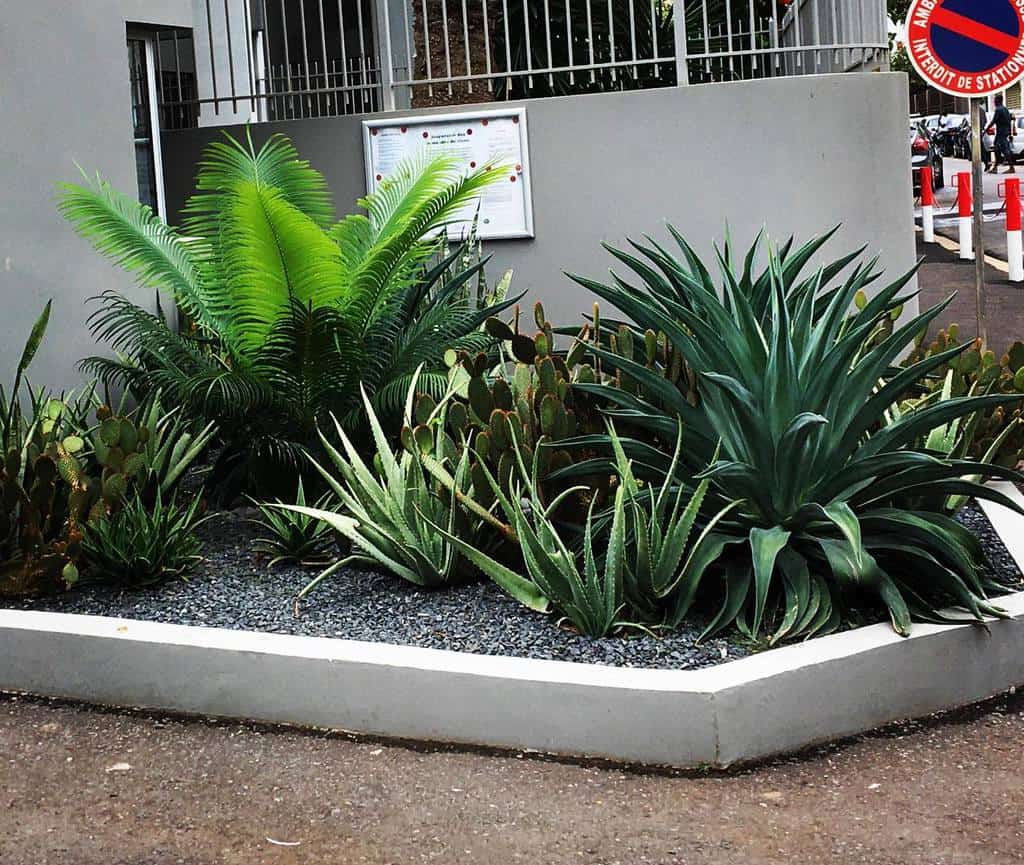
point(1016, 135)
point(953, 138)
point(924, 151)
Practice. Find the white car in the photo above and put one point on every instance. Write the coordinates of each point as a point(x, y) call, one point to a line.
point(1016, 135)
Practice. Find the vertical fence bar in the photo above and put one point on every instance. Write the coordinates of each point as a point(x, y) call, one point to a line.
point(305, 57)
point(679, 32)
point(246, 20)
point(529, 47)
point(547, 41)
point(287, 63)
point(799, 41)
point(344, 55)
point(654, 39)
point(231, 57)
point(447, 44)
point(611, 40)
point(268, 68)
point(632, 36)
point(323, 50)
point(728, 34)
point(386, 65)
point(508, 49)
point(707, 35)
point(776, 59)
point(753, 40)
point(213, 62)
point(409, 71)
point(860, 18)
point(590, 41)
point(362, 38)
point(837, 54)
point(487, 47)
point(817, 34)
point(465, 42)
point(568, 41)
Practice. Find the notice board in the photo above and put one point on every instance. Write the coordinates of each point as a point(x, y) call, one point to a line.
point(475, 138)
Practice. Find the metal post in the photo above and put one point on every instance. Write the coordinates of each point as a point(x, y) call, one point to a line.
point(679, 31)
point(979, 221)
point(384, 54)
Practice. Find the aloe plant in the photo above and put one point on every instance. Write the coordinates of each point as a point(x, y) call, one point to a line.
point(389, 509)
point(664, 563)
point(587, 594)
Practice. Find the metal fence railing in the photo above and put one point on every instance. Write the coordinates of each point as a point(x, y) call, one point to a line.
point(279, 59)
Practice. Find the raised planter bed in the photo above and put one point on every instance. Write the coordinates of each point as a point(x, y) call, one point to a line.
point(775, 701)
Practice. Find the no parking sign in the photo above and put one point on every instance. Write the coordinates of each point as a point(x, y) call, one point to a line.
point(967, 47)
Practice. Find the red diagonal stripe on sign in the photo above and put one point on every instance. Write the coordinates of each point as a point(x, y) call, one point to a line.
point(974, 30)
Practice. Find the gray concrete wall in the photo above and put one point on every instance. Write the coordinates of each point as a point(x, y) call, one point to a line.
point(64, 98)
point(798, 155)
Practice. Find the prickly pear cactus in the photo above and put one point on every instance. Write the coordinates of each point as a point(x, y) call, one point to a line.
point(119, 448)
point(976, 371)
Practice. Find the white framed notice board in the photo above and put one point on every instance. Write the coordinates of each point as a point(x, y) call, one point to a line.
point(478, 137)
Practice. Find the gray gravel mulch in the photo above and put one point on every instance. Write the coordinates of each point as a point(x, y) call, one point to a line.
point(233, 589)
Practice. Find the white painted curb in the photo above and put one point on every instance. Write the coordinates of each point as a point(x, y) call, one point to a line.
point(777, 701)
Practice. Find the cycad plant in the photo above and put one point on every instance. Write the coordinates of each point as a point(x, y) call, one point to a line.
point(287, 309)
point(795, 382)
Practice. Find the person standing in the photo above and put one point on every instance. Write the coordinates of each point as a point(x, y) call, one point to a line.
point(1003, 121)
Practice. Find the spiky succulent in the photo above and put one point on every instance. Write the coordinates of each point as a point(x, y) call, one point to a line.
point(795, 381)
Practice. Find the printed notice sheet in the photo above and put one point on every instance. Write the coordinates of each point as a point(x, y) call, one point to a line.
point(475, 139)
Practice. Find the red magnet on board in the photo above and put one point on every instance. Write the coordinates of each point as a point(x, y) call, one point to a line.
point(378, 177)
point(515, 119)
point(373, 132)
point(484, 121)
point(472, 164)
point(513, 178)
point(469, 132)
point(519, 168)
point(426, 134)
point(405, 129)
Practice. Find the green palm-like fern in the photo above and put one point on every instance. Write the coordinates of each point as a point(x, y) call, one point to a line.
point(289, 309)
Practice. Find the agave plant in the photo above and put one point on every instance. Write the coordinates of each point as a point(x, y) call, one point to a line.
point(293, 536)
point(288, 309)
point(389, 509)
point(795, 383)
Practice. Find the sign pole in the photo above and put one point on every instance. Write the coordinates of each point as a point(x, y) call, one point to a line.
point(978, 191)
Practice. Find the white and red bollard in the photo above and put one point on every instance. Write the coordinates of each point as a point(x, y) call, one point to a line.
point(927, 205)
point(1014, 242)
point(965, 208)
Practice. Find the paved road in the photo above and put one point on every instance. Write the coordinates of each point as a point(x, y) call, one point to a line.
point(943, 274)
point(87, 787)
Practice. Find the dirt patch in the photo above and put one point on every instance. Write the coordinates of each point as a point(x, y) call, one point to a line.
point(92, 787)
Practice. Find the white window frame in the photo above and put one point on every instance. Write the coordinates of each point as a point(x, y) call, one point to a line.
point(149, 40)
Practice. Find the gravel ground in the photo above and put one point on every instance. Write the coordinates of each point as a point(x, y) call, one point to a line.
point(233, 589)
